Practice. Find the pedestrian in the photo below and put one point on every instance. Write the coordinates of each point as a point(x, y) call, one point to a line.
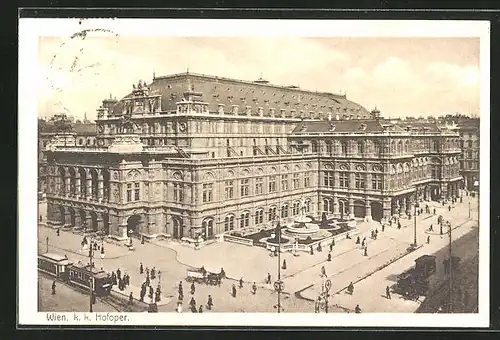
point(350, 288)
point(390, 222)
point(358, 241)
point(363, 244)
point(142, 239)
point(461, 200)
point(357, 310)
point(147, 271)
point(383, 227)
point(431, 228)
point(329, 257)
point(366, 251)
point(441, 230)
point(449, 208)
point(268, 280)
point(210, 302)
point(181, 296)
point(147, 281)
point(151, 292)
point(153, 273)
point(200, 310)
point(254, 288)
point(57, 231)
point(434, 211)
point(311, 251)
point(54, 287)
point(222, 273)
point(317, 304)
point(130, 299)
point(323, 271)
point(376, 231)
point(192, 302)
point(428, 239)
point(234, 291)
point(118, 273)
point(347, 236)
point(193, 288)
point(113, 278)
point(319, 249)
point(179, 307)
point(102, 252)
point(443, 203)
point(399, 225)
point(143, 292)
point(388, 292)
point(157, 296)
point(284, 264)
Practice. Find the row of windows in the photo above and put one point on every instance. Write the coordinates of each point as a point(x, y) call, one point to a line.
point(359, 180)
point(244, 221)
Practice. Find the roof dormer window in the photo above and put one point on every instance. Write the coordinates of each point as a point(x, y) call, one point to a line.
point(332, 127)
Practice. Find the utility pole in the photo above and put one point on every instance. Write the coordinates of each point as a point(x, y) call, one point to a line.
point(91, 275)
point(450, 308)
point(47, 239)
point(415, 223)
point(279, 266)
point(469, 209)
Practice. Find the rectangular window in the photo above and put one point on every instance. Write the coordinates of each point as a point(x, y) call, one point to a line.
point(329, 179)
point(259, 185)
point(129, 192)
point(307, 180)
point(136, 191)
point(296, 182)
point(272, 184)
point(329, 148)
point(229, 223)
point(284, 182)
point(377, 182)
point(178, 192)
point(360, 181)
point(244, 220)
point(207, 192)
point(244, 187)
point(229, 190)
point(344, 179)
point(295, 209)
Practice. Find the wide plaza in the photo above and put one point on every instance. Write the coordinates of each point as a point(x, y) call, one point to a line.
point(386, 258)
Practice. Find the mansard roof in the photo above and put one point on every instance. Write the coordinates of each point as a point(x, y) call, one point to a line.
point(343, 126)
point(229, 92)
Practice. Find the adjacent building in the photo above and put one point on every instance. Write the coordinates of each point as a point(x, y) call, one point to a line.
point(192, 155)
point(469, 158)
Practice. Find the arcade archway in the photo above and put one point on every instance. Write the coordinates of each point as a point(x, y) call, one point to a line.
point(177, 228)
point(377, 211)
point(208, 228)
point(359, 209)
point(133, 225)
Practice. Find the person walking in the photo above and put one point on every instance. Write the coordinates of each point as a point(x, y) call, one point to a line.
point(317, 304)
point(192, 302)
point(329, 257)
point(399, 225)
point(428, 239)
point(350, 288)
point(102, 252)
point(434, 211)
point(200, 310)
point(284, 265)
point(57, 231)
point(323, 271)
point(241, 283)
point(366, 251)
point(153, 273)
point(118, 273)
point(311, 250)
point(357, 310)
point(358, 240)
point(130, 299)
point(210, 302)
point(254, 288)
point(54, 287)
point(233, 291)
point(141, 269)
point(363, 243)
point(268, 280)
point(193, 288)
point(388, 292)
point(383, 227)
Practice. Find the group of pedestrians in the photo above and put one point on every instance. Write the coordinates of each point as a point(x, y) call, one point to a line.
point(121, 281)
point(192, 302)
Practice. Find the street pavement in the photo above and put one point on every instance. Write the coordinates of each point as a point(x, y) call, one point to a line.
point(66, 298)
point(253, 263)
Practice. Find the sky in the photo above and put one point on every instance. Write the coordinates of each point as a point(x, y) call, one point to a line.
point(400, 76)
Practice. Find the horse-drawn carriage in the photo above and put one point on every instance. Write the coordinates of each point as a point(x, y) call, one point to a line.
point(203, 276)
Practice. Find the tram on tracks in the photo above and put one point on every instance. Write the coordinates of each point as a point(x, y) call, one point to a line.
point(77, 274)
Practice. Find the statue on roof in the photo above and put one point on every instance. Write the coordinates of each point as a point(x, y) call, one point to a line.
point(139, 85)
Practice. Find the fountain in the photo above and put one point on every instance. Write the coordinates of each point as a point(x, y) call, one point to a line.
point(304, 227)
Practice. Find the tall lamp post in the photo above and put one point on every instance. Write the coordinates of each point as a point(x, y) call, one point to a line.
point(450, 304)
point(415, 223)
point(278, 285)
point(91, 283)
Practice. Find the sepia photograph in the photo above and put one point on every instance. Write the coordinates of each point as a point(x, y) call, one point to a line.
point(265, 172)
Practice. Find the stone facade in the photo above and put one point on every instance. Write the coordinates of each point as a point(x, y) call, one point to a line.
point(204, 167)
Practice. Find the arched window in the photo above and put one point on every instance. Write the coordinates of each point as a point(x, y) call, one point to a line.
point(284, 211)
point(361, 148)
point(343, 148)
point(259, 216)
point(229, 223)
point(244, 219)
point(272, 214)
point(295, 208)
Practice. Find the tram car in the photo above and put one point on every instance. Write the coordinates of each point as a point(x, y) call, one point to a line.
point(77, 274)
point(80, 274)
point(415, 281)
point(55, 265)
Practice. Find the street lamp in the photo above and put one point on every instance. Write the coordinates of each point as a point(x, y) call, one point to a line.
point(469, 209)
point(415, 223)
point(91, 254)
point(278, 285)
point(451, 273)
